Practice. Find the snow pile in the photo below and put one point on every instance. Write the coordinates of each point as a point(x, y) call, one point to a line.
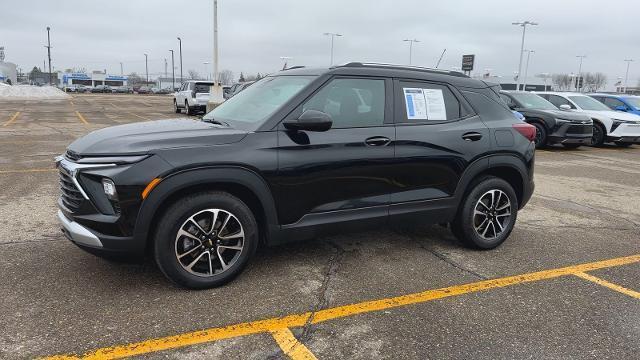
point(28, 92)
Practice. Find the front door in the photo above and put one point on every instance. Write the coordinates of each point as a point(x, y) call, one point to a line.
point(344, 171)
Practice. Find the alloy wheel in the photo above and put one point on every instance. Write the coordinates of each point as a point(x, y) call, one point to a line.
point(492, 214)
point(209, 242)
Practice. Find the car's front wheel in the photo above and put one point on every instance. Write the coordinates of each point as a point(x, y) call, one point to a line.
point(487, 215)
point(541, 135)
point(205, 240)
point(598, 135)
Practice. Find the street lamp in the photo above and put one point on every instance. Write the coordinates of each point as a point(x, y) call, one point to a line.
point(206, 72)
point(180, 42)
point(216, 96)
point(526, 70)
point(578, 85)
point(146, 67)
point(49, 53)
point(524, 30)
point(333, 35)
point(410, 41)
point(173, 73)
point(626, 76)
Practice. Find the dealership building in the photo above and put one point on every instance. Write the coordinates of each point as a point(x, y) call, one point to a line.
point(93, 79)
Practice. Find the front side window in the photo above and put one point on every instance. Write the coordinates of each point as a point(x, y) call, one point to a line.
point(559, 100)
point(255, 104)
point(351, 102)
point(533, 101)
point(588, 103)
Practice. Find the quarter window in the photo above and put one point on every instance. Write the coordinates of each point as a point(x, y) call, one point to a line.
point(351, 102)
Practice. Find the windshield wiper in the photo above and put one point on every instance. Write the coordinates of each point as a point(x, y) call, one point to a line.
point(216, 122)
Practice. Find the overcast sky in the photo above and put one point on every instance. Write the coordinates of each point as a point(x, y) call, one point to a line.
point(254, 34)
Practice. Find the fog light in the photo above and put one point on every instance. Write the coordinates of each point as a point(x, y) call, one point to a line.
point(109, 189)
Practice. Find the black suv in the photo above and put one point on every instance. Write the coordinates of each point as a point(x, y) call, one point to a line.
point(299, 153)
point(553, 126)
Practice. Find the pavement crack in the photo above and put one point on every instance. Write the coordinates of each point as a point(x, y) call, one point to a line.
point(443, 256)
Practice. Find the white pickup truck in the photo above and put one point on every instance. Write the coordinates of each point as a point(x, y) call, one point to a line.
point(192, 96)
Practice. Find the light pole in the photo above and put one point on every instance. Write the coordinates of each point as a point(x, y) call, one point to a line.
point(526, 70)
point(206, 72)
point(173, 73)
point(146, 67)
point(524, 30)
point(578, 85)
point(216, 96)
point(121, 70)
point(180, 44)
point(333, 35)
point(626, 76)
point(49, 54)
point(411, 41)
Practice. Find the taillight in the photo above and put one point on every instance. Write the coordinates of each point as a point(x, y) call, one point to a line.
point(526, 130)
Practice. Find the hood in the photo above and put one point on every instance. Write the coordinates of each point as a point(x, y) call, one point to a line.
point(139, 138)
point(613, 115)
point(558, 114)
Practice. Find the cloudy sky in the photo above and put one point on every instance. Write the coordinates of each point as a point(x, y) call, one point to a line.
point(254, 34)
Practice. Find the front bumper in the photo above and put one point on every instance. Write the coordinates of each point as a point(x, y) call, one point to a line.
point(78, 233)
point(625, 133)
point(572, 133)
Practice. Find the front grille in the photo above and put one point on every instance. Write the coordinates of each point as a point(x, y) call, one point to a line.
point(69, 194)
point(579, 129)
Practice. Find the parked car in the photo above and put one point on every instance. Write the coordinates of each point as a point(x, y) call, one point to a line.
point(144, 90)
point(625, 103)
point(123, 90)
point(101, 89)
point(236, 88)
point(71, 88)
point(192, 96)
point(608, 126)
point(553, 126)
point(279, 162)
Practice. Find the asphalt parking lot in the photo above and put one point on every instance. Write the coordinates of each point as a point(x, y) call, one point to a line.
point(565, 285)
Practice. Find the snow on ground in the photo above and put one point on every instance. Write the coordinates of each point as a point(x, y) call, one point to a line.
point(28, 92)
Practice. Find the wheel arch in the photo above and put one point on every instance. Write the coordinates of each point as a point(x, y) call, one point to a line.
point(240, 182)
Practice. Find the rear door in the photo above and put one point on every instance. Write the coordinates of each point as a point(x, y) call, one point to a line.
point(437, 137)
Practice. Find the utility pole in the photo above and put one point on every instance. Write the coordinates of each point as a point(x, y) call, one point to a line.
point(146, 67)
point(578, 84)
point(165, 68)
point(333, 36)
point(526, 70)
point(49, 54)
point(216, 96)
point(180, 44)
point(121, 70)
point(173, 73)
point(410, 41)
point(524, 30)
point(626, 76)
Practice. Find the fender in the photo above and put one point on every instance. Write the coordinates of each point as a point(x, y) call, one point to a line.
point(200, 176)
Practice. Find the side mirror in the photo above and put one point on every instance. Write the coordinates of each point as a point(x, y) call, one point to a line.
point(621, 108)
point(310, 120)
point(565, 107)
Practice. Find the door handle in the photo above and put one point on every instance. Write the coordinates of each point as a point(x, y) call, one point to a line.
point(472, 136)
point(377, 141)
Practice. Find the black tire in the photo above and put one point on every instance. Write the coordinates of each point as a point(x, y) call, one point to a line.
point(464, 225)
point(599, 134)
point(541, 135)
point(176, 108)
point(623, 144)
point(173, 219)
point(571, 146)
point(188, 108)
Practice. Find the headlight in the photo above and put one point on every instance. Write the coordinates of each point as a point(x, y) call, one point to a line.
point(619, 121)
point(109, 189)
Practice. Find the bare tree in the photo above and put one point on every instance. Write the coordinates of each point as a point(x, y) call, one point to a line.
point(594, 82)
point(134, 79)
point(193, 75)
point(225, 77)
point(561, 81)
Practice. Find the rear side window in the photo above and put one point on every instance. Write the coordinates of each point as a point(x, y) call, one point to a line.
point(424, 102)
point(613, 103)
point(487, 108)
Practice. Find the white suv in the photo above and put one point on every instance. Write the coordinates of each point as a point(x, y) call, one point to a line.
point(192, 96)
point(623, 129)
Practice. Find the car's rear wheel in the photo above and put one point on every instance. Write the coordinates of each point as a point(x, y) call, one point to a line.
point(205, 240)
point(541, 135)
point(175, 107)
point(598, 135)
point(487, 215)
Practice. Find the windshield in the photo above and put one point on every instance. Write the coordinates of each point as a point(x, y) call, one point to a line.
point(257, 102)
point(589, 103)
point(533, 101)
point(633, 101)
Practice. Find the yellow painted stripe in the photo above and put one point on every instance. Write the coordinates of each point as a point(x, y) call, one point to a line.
point(18, 171)
point(609, 285)
point(291, 346)
point(82, 118)
point(13, 118)
point(297, 320)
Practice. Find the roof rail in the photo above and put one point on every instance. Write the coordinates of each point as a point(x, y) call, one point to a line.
point(402, 67)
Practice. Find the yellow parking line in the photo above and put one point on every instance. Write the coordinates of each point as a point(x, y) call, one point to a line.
point(82, 118)
point(291, 346)
point(609, 285)
point(141, 117)
point(13, 118)
point(18, 171)
point(298, 320)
